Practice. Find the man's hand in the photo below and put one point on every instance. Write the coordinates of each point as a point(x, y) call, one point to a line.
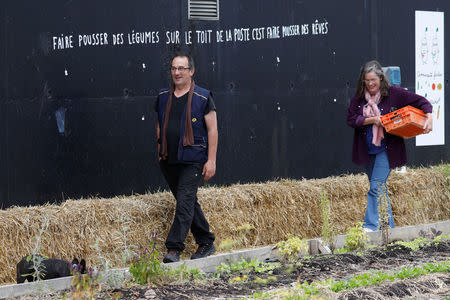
point(209, 169)
point(428, 126)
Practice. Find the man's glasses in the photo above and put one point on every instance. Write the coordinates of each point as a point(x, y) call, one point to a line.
point(179, 69)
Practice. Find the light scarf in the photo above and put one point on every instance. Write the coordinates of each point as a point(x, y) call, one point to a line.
point(371, 110)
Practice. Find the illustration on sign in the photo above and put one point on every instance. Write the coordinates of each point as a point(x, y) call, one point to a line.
point(430, 71)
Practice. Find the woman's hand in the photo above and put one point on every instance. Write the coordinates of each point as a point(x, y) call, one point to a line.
point(377, 121)
point(373, 120)
point(428, 126)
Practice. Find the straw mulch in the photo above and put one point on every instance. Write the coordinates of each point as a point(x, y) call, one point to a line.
point(103, 228)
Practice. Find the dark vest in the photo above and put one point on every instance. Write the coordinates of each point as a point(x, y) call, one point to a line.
point(198, 152)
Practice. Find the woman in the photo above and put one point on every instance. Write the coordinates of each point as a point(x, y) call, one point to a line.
point(372, 146)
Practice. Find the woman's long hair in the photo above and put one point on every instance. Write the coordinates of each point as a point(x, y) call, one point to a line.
point(372, 66)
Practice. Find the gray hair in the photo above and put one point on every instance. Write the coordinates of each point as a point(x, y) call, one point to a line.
point(372, 66)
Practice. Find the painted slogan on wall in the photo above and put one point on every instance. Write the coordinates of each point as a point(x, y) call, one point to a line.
point(206, 36)
point(430, 71)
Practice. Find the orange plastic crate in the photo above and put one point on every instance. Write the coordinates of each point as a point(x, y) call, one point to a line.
point(406, 122)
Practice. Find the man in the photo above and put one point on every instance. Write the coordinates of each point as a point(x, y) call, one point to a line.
point(187, 145)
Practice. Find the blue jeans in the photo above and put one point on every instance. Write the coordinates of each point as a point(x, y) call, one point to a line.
point(378, 172)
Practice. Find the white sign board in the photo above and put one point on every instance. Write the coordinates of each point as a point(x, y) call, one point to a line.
point(430, 71)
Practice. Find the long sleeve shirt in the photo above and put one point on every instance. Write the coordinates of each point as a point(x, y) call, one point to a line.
point(395, 146)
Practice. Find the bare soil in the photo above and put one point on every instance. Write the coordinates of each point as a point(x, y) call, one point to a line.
point(316, 268)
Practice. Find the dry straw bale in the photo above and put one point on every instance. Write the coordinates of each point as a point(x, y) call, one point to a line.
point(270, 210)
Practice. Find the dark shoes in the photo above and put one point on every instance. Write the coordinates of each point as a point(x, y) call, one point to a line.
point(171, 256)
point(204, 251)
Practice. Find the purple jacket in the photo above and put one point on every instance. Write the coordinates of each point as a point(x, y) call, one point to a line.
point(395, 146)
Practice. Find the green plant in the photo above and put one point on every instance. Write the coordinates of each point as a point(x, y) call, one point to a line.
point(383, 213)
point(367, 279)
point(125, 249)
point(246, 228)
point(264, 267)
point(38, 266)
point(239, 279)
point(263, 281)
point(414, 244)
point(147, 268)
point(441, 238)
point(183, 274)
point(103, 268)
point(244, 266)
point(327, 226)
point(227, 244)
point(341, 251)
point(85, 286)
point(292, 248)
point(356, 238)
point(288, 268)
point(224, 270)
point(316, 289)
point(309, 288)
point(35, 258)
point(421, 242)
point(104, 263)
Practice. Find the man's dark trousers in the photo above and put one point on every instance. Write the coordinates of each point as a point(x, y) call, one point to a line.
point(183, 181)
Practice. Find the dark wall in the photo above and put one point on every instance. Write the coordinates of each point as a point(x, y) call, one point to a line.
point(281, 102)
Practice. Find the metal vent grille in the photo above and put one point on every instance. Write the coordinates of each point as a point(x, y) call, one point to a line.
point(203, 10)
